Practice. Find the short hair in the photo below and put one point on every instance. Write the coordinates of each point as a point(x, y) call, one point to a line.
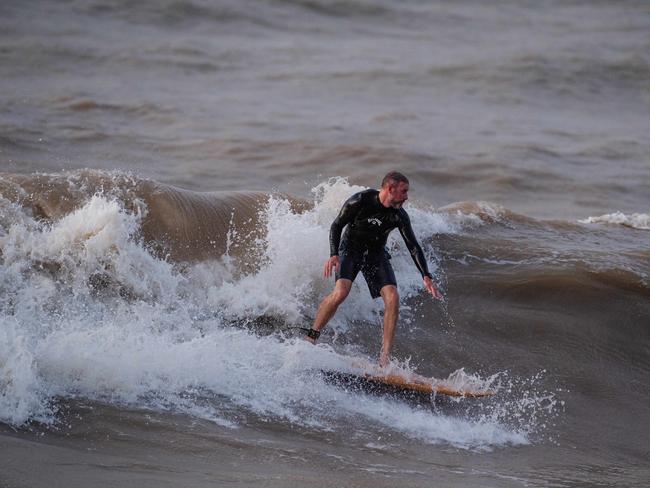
point(393, 177)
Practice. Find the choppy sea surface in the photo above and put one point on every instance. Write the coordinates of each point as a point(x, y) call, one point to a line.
point(169, 171)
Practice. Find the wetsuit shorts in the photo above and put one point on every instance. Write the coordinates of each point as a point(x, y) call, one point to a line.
point(374, 265)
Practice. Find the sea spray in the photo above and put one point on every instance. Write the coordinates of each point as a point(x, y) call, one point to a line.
point(89, 312)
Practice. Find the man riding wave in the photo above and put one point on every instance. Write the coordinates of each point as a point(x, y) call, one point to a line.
point(368, 217)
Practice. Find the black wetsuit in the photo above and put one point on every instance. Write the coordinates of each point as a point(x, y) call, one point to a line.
point(363, 245)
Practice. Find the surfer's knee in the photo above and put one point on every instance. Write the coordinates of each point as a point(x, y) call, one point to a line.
point(340, 292)
point(390, 296)
point(339, 296)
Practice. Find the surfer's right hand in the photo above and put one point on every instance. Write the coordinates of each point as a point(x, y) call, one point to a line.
point(332, 262)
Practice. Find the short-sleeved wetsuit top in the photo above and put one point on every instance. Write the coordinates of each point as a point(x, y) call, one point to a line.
point(367, 226)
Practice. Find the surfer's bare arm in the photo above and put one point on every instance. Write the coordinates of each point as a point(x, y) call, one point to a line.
point(417, 254)
point(350, 208)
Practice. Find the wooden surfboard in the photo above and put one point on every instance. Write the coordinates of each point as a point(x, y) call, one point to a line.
point(405, 382)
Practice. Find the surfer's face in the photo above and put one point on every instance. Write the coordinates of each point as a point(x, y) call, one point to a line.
point(398, 194)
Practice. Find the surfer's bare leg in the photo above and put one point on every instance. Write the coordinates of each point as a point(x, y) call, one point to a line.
point(391, 312)
point(330, 304)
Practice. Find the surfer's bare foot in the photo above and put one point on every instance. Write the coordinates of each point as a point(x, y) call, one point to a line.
point(384, 360)
point(312, 335)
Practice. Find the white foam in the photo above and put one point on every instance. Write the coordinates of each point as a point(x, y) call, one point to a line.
point(636, 220)
point(87, 311)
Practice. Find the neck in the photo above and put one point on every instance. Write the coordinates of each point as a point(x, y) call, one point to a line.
point(384, 198)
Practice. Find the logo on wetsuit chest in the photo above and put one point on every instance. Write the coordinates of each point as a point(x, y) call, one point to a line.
point(375, 221)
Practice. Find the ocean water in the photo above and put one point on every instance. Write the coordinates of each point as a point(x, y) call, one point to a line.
point(169, 171)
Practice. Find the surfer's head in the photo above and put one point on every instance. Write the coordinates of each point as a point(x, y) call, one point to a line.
point(394, 187)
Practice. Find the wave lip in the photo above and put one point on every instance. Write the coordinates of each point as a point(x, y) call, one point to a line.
point(635, 220)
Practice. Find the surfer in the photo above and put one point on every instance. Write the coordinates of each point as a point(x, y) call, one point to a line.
point(368, 217)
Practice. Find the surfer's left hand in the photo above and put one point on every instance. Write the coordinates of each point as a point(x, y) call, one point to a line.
point(431, 288)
